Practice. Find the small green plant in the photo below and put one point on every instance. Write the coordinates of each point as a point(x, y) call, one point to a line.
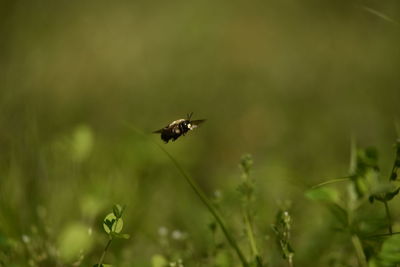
point(282, 227)
point(219, 255)
point(363, 228)
point(246, 189)
point(112, 225)
point(210, 206)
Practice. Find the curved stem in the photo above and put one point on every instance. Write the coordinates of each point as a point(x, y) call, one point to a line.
point(202, 197)
point(331, 182)
point(104, 252)
point(209, 206)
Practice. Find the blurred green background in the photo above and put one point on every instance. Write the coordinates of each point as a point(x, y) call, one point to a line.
point(288, 81)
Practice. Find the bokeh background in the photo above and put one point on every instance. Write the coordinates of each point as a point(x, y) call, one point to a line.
point(290, 82)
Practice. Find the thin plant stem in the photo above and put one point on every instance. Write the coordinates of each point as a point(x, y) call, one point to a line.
point(383, 235)
point(202, 197)
point(108, 243)
point(362, 260)
point(343, 179)
point(250, 236)
point(104, 252)
point(209, 206)
point(389, 217)
point(248, 223)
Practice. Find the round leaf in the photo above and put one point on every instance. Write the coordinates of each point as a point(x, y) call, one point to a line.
point(111, 224)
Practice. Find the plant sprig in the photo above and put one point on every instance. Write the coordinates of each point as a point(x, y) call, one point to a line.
point(112, 225)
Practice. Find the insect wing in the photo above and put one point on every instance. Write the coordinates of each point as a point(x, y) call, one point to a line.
point(195, 123)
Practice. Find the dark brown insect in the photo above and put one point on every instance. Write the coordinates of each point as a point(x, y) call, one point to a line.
point(177, 128)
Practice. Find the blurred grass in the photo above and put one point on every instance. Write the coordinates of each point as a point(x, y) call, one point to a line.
point(287, 81)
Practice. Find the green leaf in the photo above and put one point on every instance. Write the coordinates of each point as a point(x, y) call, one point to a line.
point(382, 188)
point(118, 210)
point(109, 224)
point(390, 253)
point(367, 159)
point(112, 224)
point(323, 194)
point(388, 192)
point(391, 195)
point(102, 265)
point(122, 236)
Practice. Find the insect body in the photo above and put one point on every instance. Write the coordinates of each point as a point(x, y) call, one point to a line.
point(177, 128)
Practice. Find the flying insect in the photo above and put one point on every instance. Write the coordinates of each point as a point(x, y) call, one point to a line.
point(179, 127)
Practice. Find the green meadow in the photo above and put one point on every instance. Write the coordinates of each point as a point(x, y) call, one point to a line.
point(295, 165)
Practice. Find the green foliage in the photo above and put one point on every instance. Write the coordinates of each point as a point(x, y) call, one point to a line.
point(285, 80)
point(325, 194)
point(112, 225)
point(366, 171)
point(366, 184)
point(246, 163)
point(389, 256)
point(246, 188)
point(282, 229)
